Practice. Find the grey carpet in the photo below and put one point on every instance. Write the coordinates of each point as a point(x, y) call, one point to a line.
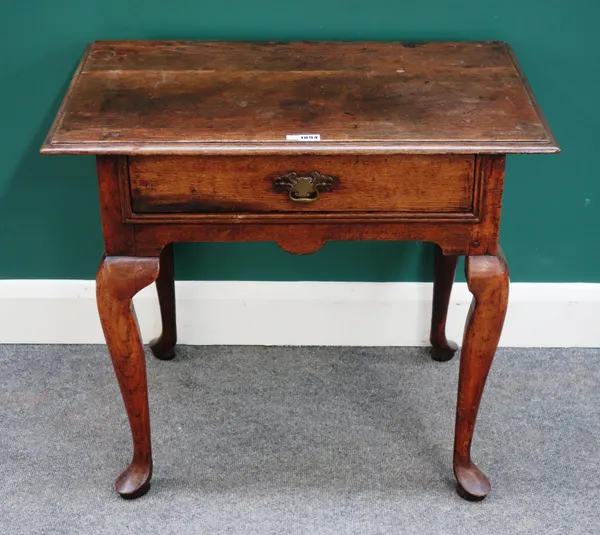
point(277, 440)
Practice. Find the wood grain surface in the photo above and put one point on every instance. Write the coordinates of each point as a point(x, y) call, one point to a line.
point(214, 97)
point(407, 183)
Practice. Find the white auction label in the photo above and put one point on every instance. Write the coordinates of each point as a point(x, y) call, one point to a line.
point(303, 137)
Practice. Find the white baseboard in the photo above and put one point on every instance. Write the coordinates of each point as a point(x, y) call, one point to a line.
point(300, 313)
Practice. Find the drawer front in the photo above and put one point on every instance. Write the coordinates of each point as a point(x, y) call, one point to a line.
point(259, 184)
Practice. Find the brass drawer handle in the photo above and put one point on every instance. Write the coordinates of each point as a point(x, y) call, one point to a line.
point(303, 187)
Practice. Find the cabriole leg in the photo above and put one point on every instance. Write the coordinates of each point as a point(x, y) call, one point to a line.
point(487, 278)
point(163, 347)
point(119, 279)
point(445, 268)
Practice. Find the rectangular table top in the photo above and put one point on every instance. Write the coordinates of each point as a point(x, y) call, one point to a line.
point(197, 97)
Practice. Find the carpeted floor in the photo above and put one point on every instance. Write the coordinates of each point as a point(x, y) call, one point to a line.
point(253, 440)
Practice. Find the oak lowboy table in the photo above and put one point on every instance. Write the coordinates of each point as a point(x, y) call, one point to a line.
point(299, 143)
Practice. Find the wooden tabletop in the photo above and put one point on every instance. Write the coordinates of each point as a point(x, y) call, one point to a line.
point(196, 97)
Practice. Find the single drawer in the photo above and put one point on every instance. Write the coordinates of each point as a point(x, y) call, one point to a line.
point(259, 184)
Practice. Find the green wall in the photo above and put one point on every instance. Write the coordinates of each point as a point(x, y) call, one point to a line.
point(50, 225)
